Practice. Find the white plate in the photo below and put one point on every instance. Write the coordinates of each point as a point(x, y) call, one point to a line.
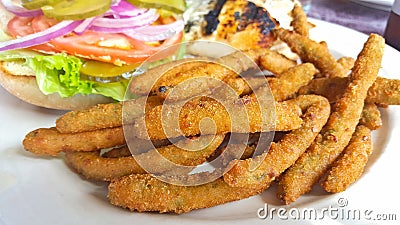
point(376, 4)
point(40, 191)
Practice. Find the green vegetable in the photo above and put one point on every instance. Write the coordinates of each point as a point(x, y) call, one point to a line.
point(76, 9)
point(177, 6)
point(61, 74)
point(58, 73)
point(36, 4)
point(103, 69)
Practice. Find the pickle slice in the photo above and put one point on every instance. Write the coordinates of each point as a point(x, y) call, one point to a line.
point(105, 70)
point(177, 6)
point(36, 4)
point(76, 9)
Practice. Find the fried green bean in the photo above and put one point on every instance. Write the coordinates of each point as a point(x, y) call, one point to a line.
point(275, 62)
point(167, 76)
point(238, 63)
point(299, 22)
point(101, 116)
point(348, 168)
point(93, 118)
point(346, 62)
point(383, 92)
point(184, 71)
point(95, 167)
point(199, 80)
point(337, 132)
point(142, 192)
point(141, 85)
point(371, 117)
point(191, 113)
point(48, 141)
point(283, 154)
point(289, 82)
point(312, 52)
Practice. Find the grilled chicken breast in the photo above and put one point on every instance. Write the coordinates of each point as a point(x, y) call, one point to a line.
point(240, 23)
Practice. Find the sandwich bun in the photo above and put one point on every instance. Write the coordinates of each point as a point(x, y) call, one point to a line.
point(25, 88)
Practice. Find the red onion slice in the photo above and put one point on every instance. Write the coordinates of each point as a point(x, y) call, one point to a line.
point(41, 37)
point(143, 19)
point(19, 10)
point(85, 25)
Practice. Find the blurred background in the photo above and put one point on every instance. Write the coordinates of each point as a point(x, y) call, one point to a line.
point(367, 16)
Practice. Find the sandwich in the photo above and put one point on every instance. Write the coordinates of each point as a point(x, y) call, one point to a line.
point(73, 54)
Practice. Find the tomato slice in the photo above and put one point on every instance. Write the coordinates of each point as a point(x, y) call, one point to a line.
point(114, 48)
point(22, 26)
point(106, 47)
point(40, 23)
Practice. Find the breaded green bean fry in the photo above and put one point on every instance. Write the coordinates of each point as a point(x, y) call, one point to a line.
point(48, 141)
point(336, 134)
point(95, 167)
point(346, 62)
point(199, 80)
point(371, 117)
point(283, 154)
point(102, 116)
point(383, 92)
point(190, 115)
point(275, 62)
point(93, 118)
point(142, 192)
point(348, 168)
point(299, 22)
point(289, 82)
point(141, 85)
point(313, 52)
point(171, 74)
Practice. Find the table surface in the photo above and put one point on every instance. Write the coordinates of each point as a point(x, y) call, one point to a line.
point(344, 12)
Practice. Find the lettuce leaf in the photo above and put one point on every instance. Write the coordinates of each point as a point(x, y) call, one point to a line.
point(60, 73)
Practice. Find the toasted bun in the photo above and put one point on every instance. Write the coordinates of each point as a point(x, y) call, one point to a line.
point(25, 88)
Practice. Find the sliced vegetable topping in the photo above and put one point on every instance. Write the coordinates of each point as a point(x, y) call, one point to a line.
point(177, 6)
point(102, 69)
point(36, 4)
point(76, 9)
point(103, 40)
point(18, 10)
point(41, 37)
